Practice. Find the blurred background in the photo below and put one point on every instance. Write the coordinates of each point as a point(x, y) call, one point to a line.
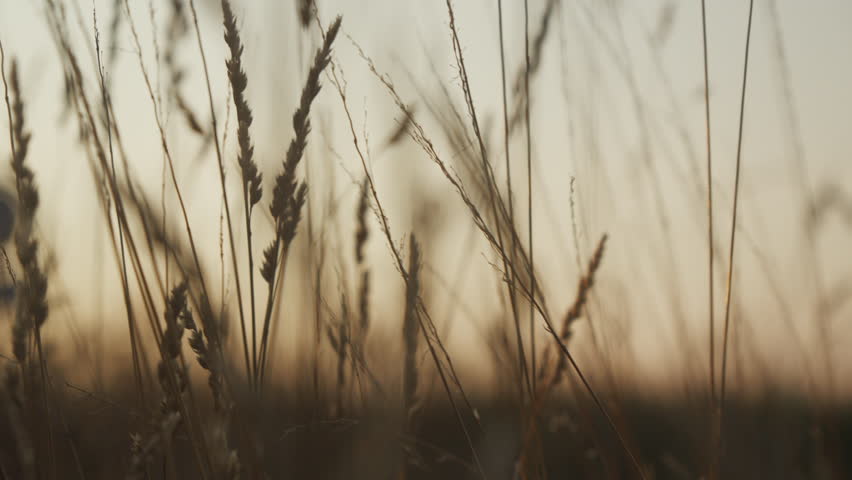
point(617, 105)
point(618, 145)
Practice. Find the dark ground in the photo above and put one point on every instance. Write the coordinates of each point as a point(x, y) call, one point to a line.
point(777, 436)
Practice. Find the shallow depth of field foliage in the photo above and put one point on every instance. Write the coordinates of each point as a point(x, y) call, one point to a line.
point(518, 239)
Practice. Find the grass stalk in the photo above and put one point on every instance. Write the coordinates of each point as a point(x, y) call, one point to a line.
point(729, 287)
point(710, 296)
point(131, 321)
point(530, 241)
point(251, 178)
point(522, 360)
point(221, 166)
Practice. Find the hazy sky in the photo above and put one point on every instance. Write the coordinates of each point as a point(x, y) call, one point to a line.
point(616, 81)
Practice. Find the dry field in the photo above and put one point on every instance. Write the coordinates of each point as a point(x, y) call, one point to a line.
point(518, 239)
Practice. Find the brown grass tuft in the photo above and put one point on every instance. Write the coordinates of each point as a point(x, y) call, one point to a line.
point(288, 195)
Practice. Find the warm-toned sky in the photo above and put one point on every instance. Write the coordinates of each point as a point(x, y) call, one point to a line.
point(601, 60)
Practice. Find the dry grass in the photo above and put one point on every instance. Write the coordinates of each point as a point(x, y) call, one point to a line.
point(376, 387)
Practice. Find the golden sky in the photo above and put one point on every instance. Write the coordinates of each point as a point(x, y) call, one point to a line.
point(617, 80)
